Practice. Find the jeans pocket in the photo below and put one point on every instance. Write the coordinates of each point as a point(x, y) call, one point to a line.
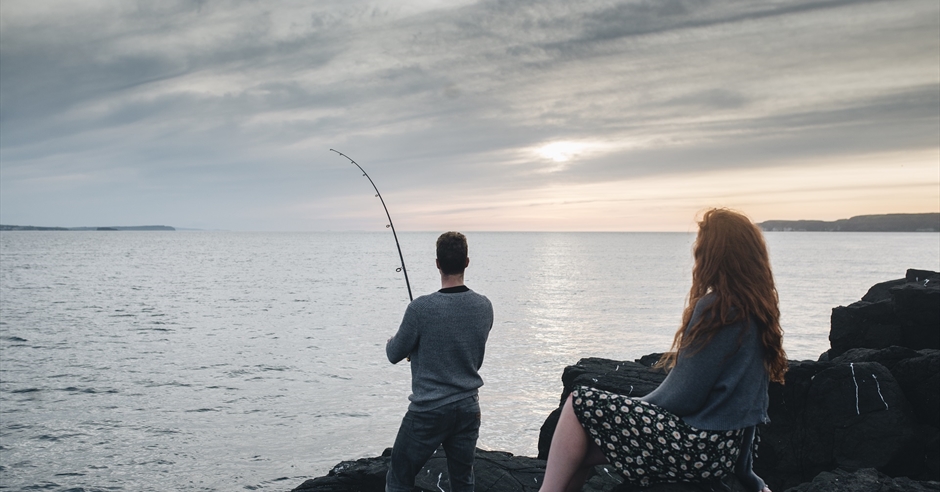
point(427, 425)
point(472, 406)
point(468, 415)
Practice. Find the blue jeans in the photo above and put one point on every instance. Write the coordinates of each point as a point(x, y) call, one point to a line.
point(455, 425)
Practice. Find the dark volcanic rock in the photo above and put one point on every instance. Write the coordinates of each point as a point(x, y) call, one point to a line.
point(494, 471)
point(877, 363)
point(624, 377)
point(364, 475)
point(728, 485)
point(880, 291)
point(902, 312)
point(605, 480)
point(497, 471)
point(918, 311)
point(917, 372)
point(919, 377)
point(632, 378)
point(864, 325)
point(831, 415)
point(931, 437)
point(921, 276)
point(857, 416)
point(864, 480)
point(888, 357)
point(649, 360)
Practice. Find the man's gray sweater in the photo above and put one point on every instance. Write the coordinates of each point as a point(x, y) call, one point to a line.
point(445, 334)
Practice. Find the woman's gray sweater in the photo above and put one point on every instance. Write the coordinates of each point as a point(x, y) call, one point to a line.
point(721, 386)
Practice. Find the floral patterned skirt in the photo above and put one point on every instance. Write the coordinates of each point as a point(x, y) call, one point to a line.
point(647, 444)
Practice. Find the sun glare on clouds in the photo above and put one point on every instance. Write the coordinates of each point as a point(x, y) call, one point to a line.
point(564, 151)
point(824, 189)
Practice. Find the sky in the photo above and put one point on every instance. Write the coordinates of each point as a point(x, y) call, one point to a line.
point(596, 115)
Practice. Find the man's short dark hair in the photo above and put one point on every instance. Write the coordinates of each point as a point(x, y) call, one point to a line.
point(452, 252)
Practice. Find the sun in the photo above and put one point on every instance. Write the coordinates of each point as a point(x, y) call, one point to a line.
point(560, 151)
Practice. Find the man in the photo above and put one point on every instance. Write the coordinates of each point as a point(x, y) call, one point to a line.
point(444, 334)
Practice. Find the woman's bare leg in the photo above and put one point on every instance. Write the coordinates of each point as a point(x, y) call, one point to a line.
point(571, 454)
point(594, 457)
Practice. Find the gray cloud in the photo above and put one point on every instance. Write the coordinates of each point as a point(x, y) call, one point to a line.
point(228, 108)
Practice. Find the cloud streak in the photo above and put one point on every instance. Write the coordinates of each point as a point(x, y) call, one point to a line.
point(221, 114)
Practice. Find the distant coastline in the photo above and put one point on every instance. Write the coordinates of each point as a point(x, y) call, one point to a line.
point(862, 223)
point(4, 227)
point(928, 222)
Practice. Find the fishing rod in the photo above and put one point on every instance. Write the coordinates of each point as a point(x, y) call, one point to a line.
point(389, 225)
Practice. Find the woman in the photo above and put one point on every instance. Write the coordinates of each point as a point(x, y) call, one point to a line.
point(699, 425)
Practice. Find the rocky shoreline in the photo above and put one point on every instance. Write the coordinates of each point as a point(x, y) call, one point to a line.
point(864, 417)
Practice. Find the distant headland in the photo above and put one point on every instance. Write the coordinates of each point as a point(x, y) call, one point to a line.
point(109, 228)
point(928, 222)
point(861, 223)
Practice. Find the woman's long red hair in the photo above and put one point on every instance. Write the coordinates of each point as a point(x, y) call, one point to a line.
point(731, 261)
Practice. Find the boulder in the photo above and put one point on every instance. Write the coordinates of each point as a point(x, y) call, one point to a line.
point(916, 371)
point(857, 416)
point(624, 377)
point(363, 475)
point(880, 291)
point(921, 276)
point(499, 471)
point(494, 471)
point(888, 357)
point(630, 378)
point(829, 415)
point(904, 312)
point(919, 377)
point(917, 308)
point(864, 324)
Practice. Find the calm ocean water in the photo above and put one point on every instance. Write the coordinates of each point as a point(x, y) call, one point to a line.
point(155, 361)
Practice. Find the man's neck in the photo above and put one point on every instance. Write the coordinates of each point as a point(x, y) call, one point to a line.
point(448, 281)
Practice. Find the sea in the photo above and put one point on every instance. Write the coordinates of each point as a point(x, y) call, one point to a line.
point(220, 361)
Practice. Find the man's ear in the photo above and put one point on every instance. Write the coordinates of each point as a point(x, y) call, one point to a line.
point(438, 263)
point(467, 263)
